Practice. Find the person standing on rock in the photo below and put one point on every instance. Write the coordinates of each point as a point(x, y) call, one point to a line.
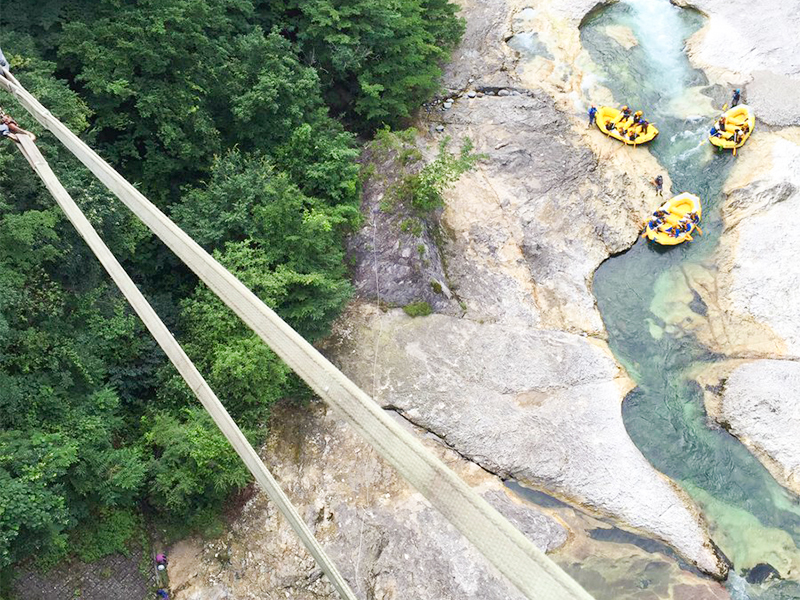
point(659, 183)
point(592, 115)
point(737, 93)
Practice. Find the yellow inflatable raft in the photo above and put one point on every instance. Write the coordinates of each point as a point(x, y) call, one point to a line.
point(735, 119)
point(675, 221)
point(606, 115)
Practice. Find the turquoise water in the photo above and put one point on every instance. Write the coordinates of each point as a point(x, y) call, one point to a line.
point(751, 517)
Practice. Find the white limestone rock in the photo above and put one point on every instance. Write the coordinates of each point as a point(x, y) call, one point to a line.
point(539, 406)
point(741, 38)
point(761, 406)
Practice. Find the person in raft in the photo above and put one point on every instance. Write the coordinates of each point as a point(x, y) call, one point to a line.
point(626, 112)
point(659, 183)
point(737, 137)
point(721, 125)
point(737, 94)
point(658, 219)
point(714, 132)
point(592, 115)
point(637, 117)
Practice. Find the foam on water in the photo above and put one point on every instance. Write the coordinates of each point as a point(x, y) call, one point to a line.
point(737, 587)
point(658, 27)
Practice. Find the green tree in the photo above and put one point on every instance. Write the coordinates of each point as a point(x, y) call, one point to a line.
point(247, 198)
point(33, 512)
point(64, 440)
point(220, 110)
point(194, 466)
point(378, 60)
point(149, 70)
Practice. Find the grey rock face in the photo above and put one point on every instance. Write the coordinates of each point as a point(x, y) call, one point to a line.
point(756, 46)
point(480, 56)
point(395, 254)
point(539, 203)
point(759, 272)
point(775, 98)
point(743, 38)
point(534, 221)
point(384, 537)
point(761, 405)
point(539, 406)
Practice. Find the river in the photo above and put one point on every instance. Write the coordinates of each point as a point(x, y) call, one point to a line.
point(751, 517)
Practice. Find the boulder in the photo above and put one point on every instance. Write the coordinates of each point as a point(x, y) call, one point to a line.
point(761, 406)
point(539, 406)
point(741, 38)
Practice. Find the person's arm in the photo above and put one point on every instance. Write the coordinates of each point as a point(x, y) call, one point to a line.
point(17, 129)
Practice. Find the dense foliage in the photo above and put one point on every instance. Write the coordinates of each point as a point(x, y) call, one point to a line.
point(227, 114)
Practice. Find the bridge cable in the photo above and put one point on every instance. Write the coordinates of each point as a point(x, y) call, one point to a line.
point(183, 364)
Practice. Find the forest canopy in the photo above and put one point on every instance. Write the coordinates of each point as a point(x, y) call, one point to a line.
point(239, 118)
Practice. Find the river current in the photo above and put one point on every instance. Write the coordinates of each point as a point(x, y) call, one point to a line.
point(637, 47)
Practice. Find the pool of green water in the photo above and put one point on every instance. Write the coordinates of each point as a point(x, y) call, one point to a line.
point(751, 517)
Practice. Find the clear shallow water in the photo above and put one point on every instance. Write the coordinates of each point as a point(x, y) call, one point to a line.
point(751, 517)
